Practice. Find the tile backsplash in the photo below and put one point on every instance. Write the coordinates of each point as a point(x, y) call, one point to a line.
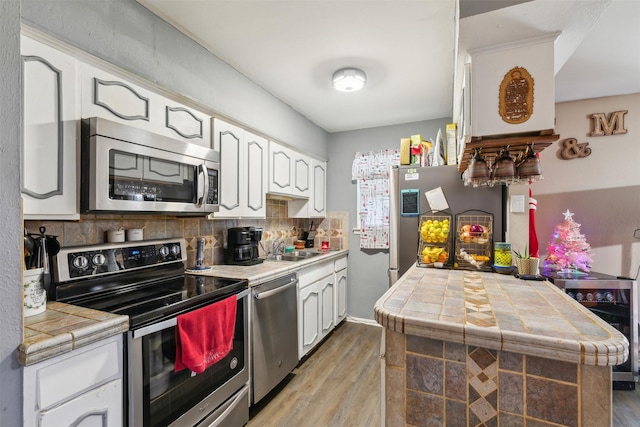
point(91, 229)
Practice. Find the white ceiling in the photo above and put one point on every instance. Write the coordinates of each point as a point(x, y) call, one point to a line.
point(406, 47)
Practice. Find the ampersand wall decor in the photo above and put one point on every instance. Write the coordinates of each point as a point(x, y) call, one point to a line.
point(572, 149)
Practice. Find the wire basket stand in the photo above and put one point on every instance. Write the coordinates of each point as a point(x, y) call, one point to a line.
point(474, 240)
point(434, 243)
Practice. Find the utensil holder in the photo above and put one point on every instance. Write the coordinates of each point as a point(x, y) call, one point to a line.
point(35, 297)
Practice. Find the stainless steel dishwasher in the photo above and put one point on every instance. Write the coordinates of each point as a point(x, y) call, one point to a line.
point(275, 333)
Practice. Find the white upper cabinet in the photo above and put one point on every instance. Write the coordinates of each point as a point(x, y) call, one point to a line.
point(114, 98)
point(512, 87)
point(318, 198)
point(243, 175)
point(280, 169)
point(301, 178)
point(51, 109)
point(315, 205)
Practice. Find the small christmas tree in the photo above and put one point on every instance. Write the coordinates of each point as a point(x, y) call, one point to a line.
point(568, 250)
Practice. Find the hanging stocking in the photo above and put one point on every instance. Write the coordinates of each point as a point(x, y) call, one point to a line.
point(533, 235)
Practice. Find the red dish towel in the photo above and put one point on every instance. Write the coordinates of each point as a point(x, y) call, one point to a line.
point(205, 336)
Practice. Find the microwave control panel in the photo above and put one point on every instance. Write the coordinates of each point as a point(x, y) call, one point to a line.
point(212, 196)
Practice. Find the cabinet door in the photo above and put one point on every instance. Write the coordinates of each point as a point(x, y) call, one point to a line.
point(50, 133)
point(183, 123)
point(301, 175)
point(280, 169)
point(100, 407)
point(309, 318)
point(111, 97)
point(327, 305)
point(319, 193)
point(341, 296)
point(255, 175)
point(229, 140)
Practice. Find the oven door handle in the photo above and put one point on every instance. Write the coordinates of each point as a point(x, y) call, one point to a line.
point(170, 323)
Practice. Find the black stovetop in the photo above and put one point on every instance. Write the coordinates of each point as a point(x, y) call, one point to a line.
point(153, 298)
point(143, 280)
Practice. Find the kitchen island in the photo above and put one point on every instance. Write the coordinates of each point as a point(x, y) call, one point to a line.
point(470, 348)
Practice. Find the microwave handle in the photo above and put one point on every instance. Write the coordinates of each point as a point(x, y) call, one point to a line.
point(202, 171)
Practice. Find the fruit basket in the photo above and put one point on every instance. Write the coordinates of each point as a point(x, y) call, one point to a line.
point(434, 246)
point(474, 240)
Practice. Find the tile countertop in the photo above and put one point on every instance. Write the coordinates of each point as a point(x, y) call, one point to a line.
point(269, 269)
point(62, 328)
point(499, 312)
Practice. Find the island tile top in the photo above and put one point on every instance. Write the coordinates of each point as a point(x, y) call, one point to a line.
point(499, 312)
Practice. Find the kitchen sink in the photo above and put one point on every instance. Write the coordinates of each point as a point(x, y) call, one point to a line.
point(299, 255)
point(294, 256)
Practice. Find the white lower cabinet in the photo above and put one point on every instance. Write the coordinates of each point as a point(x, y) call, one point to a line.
point(101, 406)
point(309, 312)
point(79, 388)
point(341, 290)
point(316, 306)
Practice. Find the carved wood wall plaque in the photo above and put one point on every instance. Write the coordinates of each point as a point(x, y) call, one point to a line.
point(516, 96)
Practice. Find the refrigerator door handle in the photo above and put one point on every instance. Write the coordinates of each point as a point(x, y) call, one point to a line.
point(393, 276)
point(393, 221)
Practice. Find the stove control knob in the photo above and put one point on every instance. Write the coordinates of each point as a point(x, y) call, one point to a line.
point(80, 262)
point(175, 250)
point(164, 251)
point(98, 259)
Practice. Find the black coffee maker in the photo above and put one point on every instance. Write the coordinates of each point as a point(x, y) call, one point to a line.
point(242, 246)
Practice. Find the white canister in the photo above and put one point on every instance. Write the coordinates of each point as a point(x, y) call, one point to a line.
point(134, 234)
point(35, 297)
point(115, 236)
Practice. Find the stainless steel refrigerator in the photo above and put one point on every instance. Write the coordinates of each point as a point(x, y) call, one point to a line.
point(404, 222)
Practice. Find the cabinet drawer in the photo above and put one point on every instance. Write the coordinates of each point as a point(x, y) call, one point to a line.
point(102, 406)
point(77, 372)
point(341, 263)
point(314, 273)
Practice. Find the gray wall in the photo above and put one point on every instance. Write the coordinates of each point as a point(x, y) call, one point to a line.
point(126, 34)
point(368, 278)
point(11, 224)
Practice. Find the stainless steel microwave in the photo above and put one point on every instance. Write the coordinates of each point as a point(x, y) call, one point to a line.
point(130, 170)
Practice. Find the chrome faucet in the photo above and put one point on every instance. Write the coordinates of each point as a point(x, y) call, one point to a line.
point(276, 246)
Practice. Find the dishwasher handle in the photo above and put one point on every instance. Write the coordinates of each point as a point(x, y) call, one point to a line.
point(274, 291)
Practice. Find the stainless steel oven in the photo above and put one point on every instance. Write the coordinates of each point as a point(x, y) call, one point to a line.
point(146, 281)
point(125, 169)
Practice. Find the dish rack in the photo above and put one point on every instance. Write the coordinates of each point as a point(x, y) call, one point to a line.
point(474, 240)
point(434, 247)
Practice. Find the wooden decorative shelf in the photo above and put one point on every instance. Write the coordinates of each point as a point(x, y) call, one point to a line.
point(491, 145)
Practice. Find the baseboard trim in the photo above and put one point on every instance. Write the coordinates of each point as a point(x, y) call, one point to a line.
point(363, 320)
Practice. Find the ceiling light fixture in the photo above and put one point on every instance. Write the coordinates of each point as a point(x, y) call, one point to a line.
point(349, 79)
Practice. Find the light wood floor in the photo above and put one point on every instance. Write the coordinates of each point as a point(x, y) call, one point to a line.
point(339, 386)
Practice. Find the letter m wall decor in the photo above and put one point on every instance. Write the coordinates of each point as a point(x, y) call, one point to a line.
point(613, 126)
